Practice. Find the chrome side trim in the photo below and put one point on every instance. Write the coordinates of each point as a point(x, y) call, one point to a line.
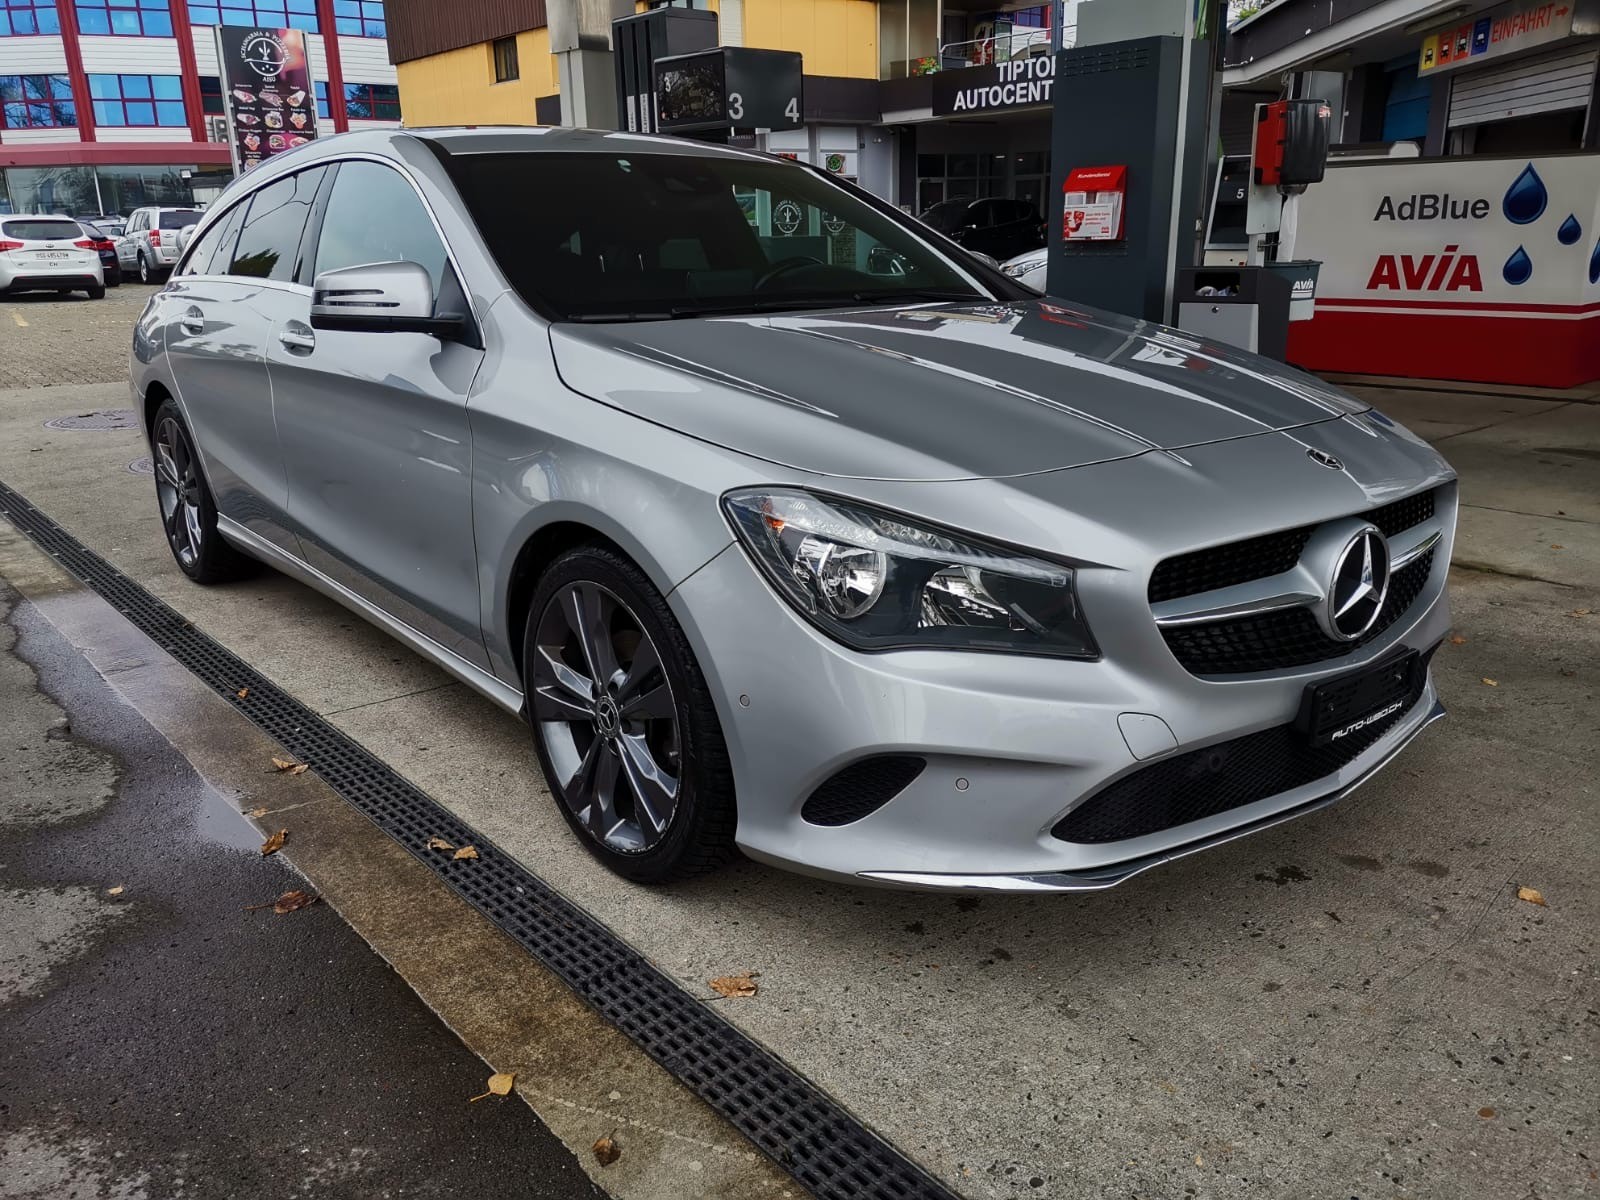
point(1101, 878)
point(1409, 555)
point(475, 677)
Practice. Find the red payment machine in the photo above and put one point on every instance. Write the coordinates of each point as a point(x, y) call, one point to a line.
point(1093, 204)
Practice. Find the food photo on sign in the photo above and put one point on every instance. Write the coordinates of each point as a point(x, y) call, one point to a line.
point(271, 99)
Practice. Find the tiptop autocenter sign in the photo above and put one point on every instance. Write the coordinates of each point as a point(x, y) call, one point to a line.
point(1020, 83)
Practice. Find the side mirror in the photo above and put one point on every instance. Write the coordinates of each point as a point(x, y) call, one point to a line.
point(391, 297)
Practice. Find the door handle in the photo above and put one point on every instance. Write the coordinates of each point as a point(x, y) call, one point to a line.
point(294, 339)
point(193, 321)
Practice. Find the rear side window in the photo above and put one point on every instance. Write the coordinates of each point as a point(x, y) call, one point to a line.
point(179, 218)
point(42, 230)
point(270, 239)
point(214, 251)
point(374, 216)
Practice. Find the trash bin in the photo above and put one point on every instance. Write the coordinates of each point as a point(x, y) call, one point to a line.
point(1246, 307)
point(1302, 276)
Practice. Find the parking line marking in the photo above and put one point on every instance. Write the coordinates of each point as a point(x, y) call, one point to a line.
point(17, 317)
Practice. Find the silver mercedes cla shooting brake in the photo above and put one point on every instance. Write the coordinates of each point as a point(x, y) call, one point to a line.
point(786, 524)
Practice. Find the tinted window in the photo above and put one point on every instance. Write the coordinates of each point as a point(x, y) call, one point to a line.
point(374, 216)
point(270, 238)
point(214, 251)
point(41, 230)
point(179, 217)
point(642, 236)
point(949, 216)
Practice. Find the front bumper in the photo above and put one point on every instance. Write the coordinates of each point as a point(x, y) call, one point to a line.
point(1011, 743)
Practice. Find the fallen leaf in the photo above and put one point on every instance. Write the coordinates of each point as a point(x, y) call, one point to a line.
point(1457, 640)
point(1486, 1113)
point(1557, 546)
point(258, 813)
point(116, 891)
point(289, 767)
point(734, 985)
point(606, 1151)
point(1580, 612)
point(1491, 682)
point(282, 764)
point(438, 843)
point(274, 843)
point(1532, 896)
point(242, 693)
point(1199, 1160)
point(291, 901)
point(466, 852)
point(499, 1085)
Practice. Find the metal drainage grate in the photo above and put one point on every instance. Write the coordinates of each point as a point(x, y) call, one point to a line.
point(827, 1150)
point(107, 418)
point(142, 466)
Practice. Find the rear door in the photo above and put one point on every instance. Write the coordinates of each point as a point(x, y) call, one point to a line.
point(128, 243)
point(217, 315)
point(374, 425)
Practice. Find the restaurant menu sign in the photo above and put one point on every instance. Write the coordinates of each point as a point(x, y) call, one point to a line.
point(266, 83)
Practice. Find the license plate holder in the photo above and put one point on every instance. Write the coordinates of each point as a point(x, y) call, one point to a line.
point(1341, 707)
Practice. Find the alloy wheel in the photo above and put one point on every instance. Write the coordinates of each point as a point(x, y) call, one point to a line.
point(178, 491)
point(604, 707)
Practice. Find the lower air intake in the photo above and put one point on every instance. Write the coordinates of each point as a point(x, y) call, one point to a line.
point(861, 788)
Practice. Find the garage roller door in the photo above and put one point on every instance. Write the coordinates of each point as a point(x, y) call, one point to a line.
point(1546, 83)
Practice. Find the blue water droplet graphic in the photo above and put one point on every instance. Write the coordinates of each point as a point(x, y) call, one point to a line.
point(1526, 198)
point(1594, 264)
point(1570, 230)
point(1518, 268)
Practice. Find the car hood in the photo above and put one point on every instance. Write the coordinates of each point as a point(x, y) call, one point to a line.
point(930, 392)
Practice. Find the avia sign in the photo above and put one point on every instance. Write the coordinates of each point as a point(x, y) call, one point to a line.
point(1468, 268)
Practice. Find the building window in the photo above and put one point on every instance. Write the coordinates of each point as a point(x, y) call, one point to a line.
point(359, 18)
point(137, 100)
point(211, 96)
point(505, 60)
point(322, 101)
point(36, 102)
point(19, 18)
point(269, 14)
point(372, 101)
point(130, 18)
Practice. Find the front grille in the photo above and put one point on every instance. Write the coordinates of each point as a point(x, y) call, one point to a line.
point(1267, 555)
point(1215, 779)
point(861, 788)
point(1289, 637)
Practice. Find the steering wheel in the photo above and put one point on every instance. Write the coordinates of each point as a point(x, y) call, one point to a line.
point(786, 265)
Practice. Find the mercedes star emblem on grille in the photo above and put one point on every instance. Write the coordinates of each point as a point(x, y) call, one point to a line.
point(1359, 586)
point(1323, 458)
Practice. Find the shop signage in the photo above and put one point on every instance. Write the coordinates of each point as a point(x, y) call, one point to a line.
point(1020, 83)
point(267, 90)
point(1505, 30)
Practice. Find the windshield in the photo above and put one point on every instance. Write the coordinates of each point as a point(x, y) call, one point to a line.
point(648, 236)
point(178, 218)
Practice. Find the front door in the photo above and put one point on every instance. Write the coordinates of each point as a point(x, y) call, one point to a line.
point(374, 426)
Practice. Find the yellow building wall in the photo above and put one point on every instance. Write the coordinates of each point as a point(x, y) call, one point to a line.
point(835, 37)
point(458, 87)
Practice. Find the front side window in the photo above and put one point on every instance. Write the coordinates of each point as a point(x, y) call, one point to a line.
point(505, 60)
point(359, 18)
point(36, 102)
point(269, 14)
point(127, 18)
point(350, 236)
point(372, 101)
point(137, 100)
point(23, 18)
point(270, 240)
point(641, 236)
point(214, 251)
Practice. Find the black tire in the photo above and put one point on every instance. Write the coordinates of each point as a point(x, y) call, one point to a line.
point(201, 552)
point(698, 834)
point(97, 292)
point(147, 273)
point(114, 277)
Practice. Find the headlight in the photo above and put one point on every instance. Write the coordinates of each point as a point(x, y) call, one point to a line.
point(877, 582)
point(1018, 269)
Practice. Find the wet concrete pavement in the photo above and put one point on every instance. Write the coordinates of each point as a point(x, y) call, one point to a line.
point(160, 1040)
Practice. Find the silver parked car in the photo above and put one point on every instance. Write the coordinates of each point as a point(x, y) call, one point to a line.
point(151, 241)
point(41, 253)
point(912, 578)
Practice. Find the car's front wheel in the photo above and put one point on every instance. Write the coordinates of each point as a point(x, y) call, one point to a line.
point(623, 721)
point(188, 511)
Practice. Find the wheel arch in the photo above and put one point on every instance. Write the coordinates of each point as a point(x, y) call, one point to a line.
point(541, 548)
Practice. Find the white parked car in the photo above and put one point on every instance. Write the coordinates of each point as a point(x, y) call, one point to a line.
point(149, 246)
point(1029, 269)
point(40, 253)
